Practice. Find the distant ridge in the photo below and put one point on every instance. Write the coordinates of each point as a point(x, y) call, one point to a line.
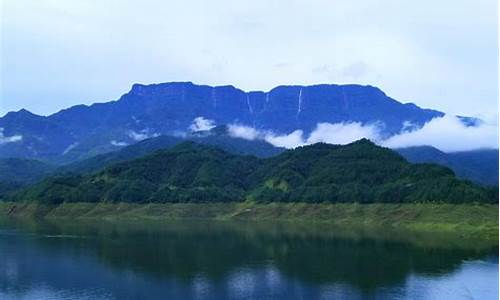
point(480, 166)
point(146, 111)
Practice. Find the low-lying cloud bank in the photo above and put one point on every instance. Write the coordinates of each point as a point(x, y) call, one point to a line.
point(339, 133)
point(447, 133)
point(9, 139)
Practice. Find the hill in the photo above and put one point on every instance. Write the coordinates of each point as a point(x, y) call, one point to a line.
point(190, 172)
point(16, 173)
point(23, 171)
point(216, 137)
point(480, 166)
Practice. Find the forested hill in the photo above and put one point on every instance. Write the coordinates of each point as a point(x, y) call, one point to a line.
point(479, 165)
point(217, 137)
point(190, 172)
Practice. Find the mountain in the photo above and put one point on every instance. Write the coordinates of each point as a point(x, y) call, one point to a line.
point(217, 136)
point(480, 166)
point(146, 111)
point(191, 172)
point(16, 173)
point(23, 171)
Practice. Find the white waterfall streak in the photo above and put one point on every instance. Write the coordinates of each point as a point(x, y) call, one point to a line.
point(248, 104)
point(299, 108)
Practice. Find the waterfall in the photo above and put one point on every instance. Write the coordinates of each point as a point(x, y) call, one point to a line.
point(248, 104)
point(299, 108)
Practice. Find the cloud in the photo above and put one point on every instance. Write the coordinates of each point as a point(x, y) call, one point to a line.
point(142, 135)
point(244, 132)
point(407, 53)
point(355, 70)
point(201, 124)
point(343, 133)
point(448, 134)
point(288, 141)
point(118, 144)
point(9, 139)
point(339, 133)
point(291, 140)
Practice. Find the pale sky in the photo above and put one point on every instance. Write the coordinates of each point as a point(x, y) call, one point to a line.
point(437, 54)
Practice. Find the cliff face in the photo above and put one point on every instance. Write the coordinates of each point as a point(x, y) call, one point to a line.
point(283, 109)
point(169, 108)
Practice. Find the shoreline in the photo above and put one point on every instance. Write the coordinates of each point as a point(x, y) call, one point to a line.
point(467, 220)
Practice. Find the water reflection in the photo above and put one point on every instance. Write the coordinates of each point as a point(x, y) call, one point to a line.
point(228, 260)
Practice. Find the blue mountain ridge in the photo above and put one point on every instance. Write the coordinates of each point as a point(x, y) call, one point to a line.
point(146, 111)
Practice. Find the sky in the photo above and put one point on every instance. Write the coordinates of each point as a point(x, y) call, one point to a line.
point(437, 54)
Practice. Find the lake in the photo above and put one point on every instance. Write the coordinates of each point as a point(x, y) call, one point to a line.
point(238, 260)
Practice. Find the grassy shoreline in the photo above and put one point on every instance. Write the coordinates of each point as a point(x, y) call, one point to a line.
point(477, 220)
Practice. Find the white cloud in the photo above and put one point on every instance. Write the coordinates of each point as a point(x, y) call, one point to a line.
point(288, 141)
point(118, 144)
point(339, 133)
point(447, 134)
point(291, 140)
point(244, 132)
point(142, 135)
point(342, 133)
point(9, 139)
point(201, 124)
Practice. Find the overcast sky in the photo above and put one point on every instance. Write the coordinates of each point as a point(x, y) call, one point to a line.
point(439, 54)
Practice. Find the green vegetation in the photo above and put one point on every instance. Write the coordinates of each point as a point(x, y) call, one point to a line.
point(217, 136)
point(359, 172)
point(18, 170)
point(480, 166)
point(467, 220)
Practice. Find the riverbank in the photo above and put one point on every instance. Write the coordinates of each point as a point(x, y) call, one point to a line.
point(478, 220)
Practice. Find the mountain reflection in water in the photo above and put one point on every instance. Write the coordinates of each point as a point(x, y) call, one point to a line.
point(238, 260)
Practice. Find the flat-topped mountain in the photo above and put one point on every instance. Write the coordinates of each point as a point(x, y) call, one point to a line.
point(170, 108)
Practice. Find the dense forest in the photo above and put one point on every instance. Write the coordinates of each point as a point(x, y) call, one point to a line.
point(479, 165)
point(189, 172)
point(217, 137)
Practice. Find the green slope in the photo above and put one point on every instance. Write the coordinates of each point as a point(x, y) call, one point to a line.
point(479, 166)
point(190, 172)
point(20, 170)
point(215, 137)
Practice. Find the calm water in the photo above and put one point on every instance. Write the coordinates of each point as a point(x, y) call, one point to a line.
point(226, 260)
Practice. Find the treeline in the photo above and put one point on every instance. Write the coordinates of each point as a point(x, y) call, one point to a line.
point(359, 172)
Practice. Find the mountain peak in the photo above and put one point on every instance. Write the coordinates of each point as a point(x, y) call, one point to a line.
point(22, 113)
point(364, 141)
